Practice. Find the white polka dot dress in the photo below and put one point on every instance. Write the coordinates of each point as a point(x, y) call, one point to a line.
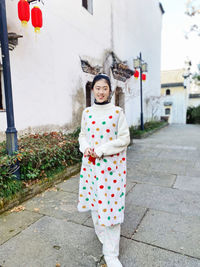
point(102, 184)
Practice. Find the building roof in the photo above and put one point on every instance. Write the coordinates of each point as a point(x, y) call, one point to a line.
point(172, 77)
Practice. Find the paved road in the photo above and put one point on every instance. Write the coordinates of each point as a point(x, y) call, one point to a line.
point(162, 216)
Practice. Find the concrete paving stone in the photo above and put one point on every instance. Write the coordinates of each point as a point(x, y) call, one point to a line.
point(132, 218)
point(151, 177)
point(136, 254)
point(50, 241)
point(166, 199)
point(13, 223)
point(129, 186)
point(70, 185)
point(188, 183)
point(59, 204)
point(179, 155)
point(171, 231)
point(193, 172)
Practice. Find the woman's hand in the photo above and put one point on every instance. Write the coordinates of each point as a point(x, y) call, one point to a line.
point(93, 154)
point(87, 152)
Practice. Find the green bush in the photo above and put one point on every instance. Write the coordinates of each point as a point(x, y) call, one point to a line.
point(39, 155)
point(193, 115)
point(135, 131)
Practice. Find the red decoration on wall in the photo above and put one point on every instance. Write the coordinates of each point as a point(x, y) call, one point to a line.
point(36, 17)
point(144, 77)
point(23, 11)
point(136, 74)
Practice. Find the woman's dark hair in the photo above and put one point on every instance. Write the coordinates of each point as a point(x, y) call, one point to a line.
point(100, 77)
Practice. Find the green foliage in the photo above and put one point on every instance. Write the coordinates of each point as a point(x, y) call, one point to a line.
point(39, 156)
point(193, 115)
point(135, 131)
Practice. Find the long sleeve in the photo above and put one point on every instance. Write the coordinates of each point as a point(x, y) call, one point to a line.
point(120, 143)
point(83, 144)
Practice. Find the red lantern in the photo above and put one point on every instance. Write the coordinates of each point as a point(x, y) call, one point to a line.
point(23, 11)
point(143, 77)
point(36, 17)
point(136, 74)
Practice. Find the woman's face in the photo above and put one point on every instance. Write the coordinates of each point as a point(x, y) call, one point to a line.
point(101, 91)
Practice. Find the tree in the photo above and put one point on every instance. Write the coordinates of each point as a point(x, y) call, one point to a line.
point(193, 10)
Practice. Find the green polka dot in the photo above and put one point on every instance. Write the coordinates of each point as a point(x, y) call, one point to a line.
point(95, 195)
point(81, 176)
point(91, 170)
point(120, 210)
point(101, 136)
point(90, 116)
point(105, 160)
point(122, 207)
point(88, 129)
point(103, 122)
point(122, 194)
point(108, 202)
point(115, 133)
point(109, 187)
point(98, 164)
point(97, 178)
point(87, 199)
point(84, 188)
point(92, 182)
point(111, 173)
point(108, 217)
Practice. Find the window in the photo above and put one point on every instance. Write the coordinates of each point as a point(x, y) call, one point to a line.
point(168, 92)
point(119, 97)
point(167, 111)
point(88, 94)
point(88, 4)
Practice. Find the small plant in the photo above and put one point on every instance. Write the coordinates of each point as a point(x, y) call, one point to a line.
point(193, 115)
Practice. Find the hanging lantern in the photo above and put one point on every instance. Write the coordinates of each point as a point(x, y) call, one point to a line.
point(136, 74)
point(36, 17)
point(144, 77)
point(23, 11)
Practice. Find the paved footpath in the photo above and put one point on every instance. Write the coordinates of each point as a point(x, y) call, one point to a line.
point(162, 216)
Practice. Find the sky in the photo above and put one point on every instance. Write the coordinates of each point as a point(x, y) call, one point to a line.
point(176, 49)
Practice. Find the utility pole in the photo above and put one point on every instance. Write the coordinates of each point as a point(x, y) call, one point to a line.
point(11, 132)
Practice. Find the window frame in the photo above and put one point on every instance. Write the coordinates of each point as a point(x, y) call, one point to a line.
point(167, 111)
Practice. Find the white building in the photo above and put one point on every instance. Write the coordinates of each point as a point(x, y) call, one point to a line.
point(51, 72)
point(174, 91)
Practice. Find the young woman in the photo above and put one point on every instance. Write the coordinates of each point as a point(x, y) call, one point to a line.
point(103, 140)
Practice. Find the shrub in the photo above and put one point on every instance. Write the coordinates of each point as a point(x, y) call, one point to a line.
point(39, 155)
point(193, 115)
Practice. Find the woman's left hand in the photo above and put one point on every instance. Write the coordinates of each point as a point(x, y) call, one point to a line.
point(93, 154)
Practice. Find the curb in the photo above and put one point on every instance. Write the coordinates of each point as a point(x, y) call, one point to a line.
point(41, 186)
point(144, 135)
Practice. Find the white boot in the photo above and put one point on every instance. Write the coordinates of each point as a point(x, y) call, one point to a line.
point(111, 245)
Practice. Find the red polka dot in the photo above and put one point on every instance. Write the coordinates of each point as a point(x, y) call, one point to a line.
point(85, 156)
point(112, 195)
point(111, 210)
point(84, 169)
point(89, 193)
point(86, 181)
point(109, 169)
point(117, 154)
point(92, 205)
point(107, 130)
point(110, 117)
point(102, 171)
point(116, 167)
point(114, 181)
point(111, 155)
point(124, 172)
point(99, 217)
point(101, 186)
point(95, 177)
point(100, 202)
point(93, 136)
point(123, 159)
point(93, 122)
point(125, 185)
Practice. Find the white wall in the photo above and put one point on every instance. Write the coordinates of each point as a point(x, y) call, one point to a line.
point(48, 82)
